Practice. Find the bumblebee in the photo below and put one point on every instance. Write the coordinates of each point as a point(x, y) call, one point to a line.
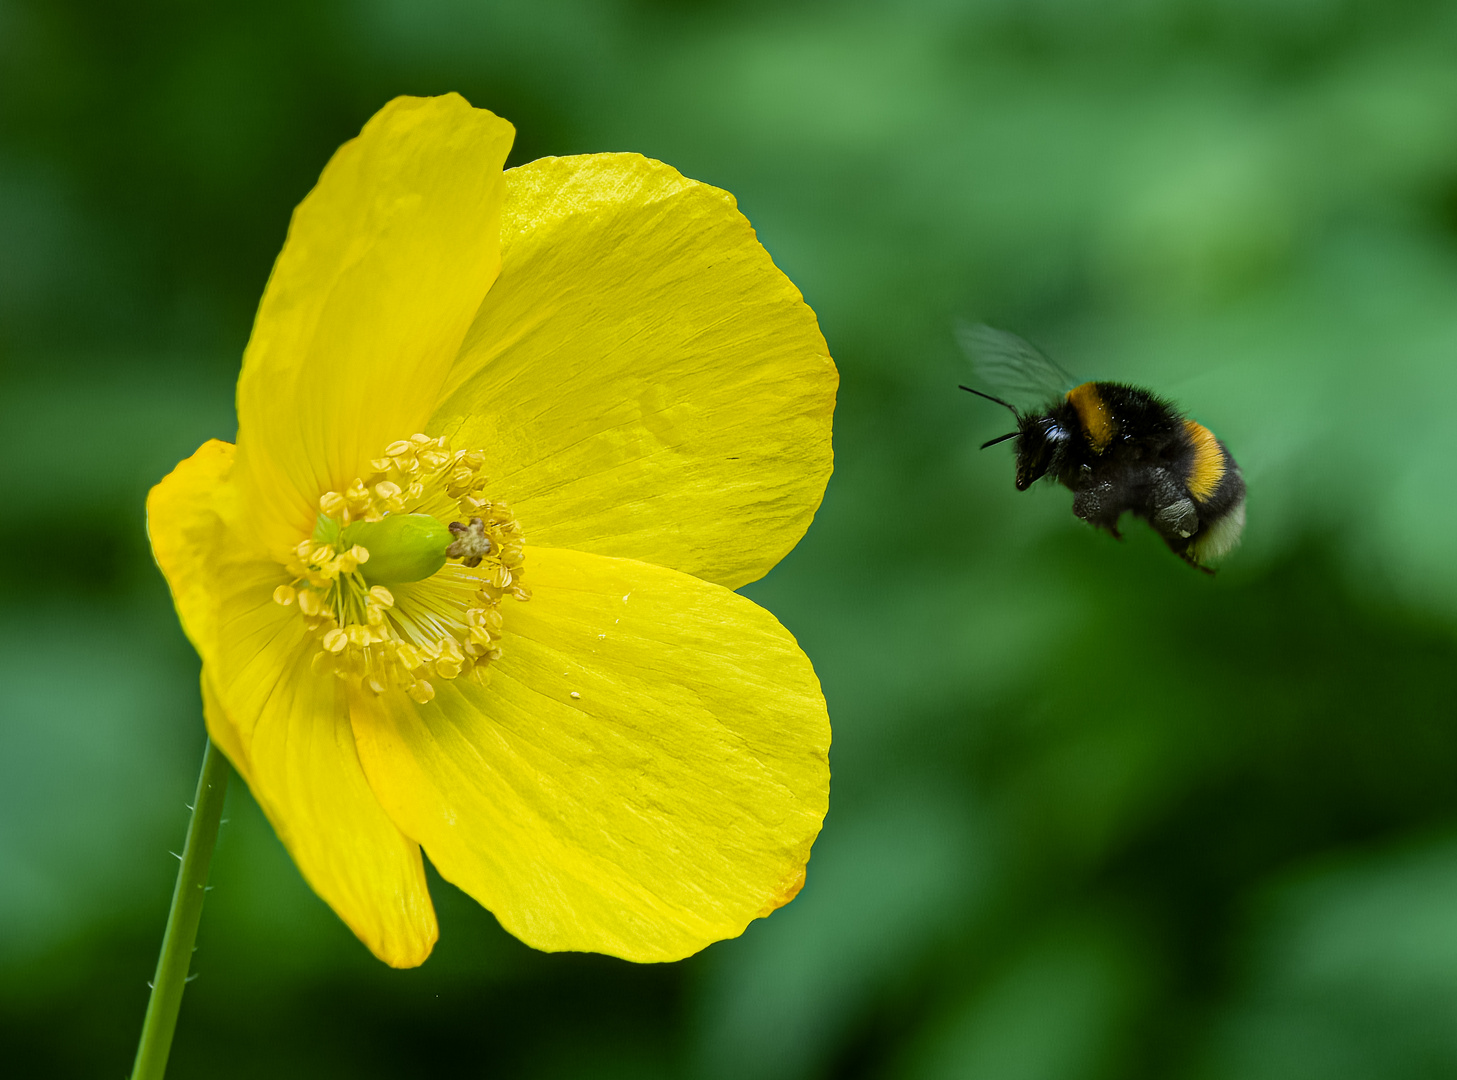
point(1118, 448)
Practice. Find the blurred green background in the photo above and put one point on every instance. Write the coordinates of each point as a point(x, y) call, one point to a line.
point(1094, 815)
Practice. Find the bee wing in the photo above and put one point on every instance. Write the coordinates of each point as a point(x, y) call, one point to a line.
point(1011, 367)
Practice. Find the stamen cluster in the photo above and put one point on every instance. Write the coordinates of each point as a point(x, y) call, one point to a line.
point(442, 627)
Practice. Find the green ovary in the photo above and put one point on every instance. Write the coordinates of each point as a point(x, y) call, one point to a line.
point(402, 547)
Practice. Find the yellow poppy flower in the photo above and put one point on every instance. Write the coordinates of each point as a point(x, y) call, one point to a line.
point(507, 443)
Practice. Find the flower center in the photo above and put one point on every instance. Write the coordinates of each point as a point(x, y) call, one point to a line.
point(403, 577)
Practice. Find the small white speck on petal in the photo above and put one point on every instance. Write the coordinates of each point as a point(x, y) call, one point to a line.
point(575, 695)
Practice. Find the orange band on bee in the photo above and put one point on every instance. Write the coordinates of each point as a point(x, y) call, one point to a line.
point(1208, 466)
point(1098, 423)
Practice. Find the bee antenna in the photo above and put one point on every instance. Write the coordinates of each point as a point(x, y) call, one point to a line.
point(1000, 438)
point(999, 401)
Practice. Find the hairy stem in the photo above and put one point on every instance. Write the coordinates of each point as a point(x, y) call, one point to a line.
point(172, 965)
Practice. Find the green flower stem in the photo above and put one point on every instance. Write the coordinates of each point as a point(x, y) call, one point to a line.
point(176, 958)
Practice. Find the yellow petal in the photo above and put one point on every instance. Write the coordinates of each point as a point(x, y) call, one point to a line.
point(221, 730)
point(645, 381)
point(284, 728)
point(643, 772)
point(385, 263)
point(305, 774)
point(186, 527)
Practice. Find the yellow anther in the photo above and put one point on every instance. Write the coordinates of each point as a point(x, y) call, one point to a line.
point(488, 618)
point(446, 622)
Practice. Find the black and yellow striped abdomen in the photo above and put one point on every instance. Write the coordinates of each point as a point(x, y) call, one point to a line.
point(1209, 465)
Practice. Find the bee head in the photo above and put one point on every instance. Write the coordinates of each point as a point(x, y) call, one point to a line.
point(1039, 441)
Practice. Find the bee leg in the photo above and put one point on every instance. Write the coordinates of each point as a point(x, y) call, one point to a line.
point(1197, 565)
point(1176, 521)
point(1100, 506)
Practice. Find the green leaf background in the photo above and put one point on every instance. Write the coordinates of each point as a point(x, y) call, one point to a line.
point(1094, 816)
